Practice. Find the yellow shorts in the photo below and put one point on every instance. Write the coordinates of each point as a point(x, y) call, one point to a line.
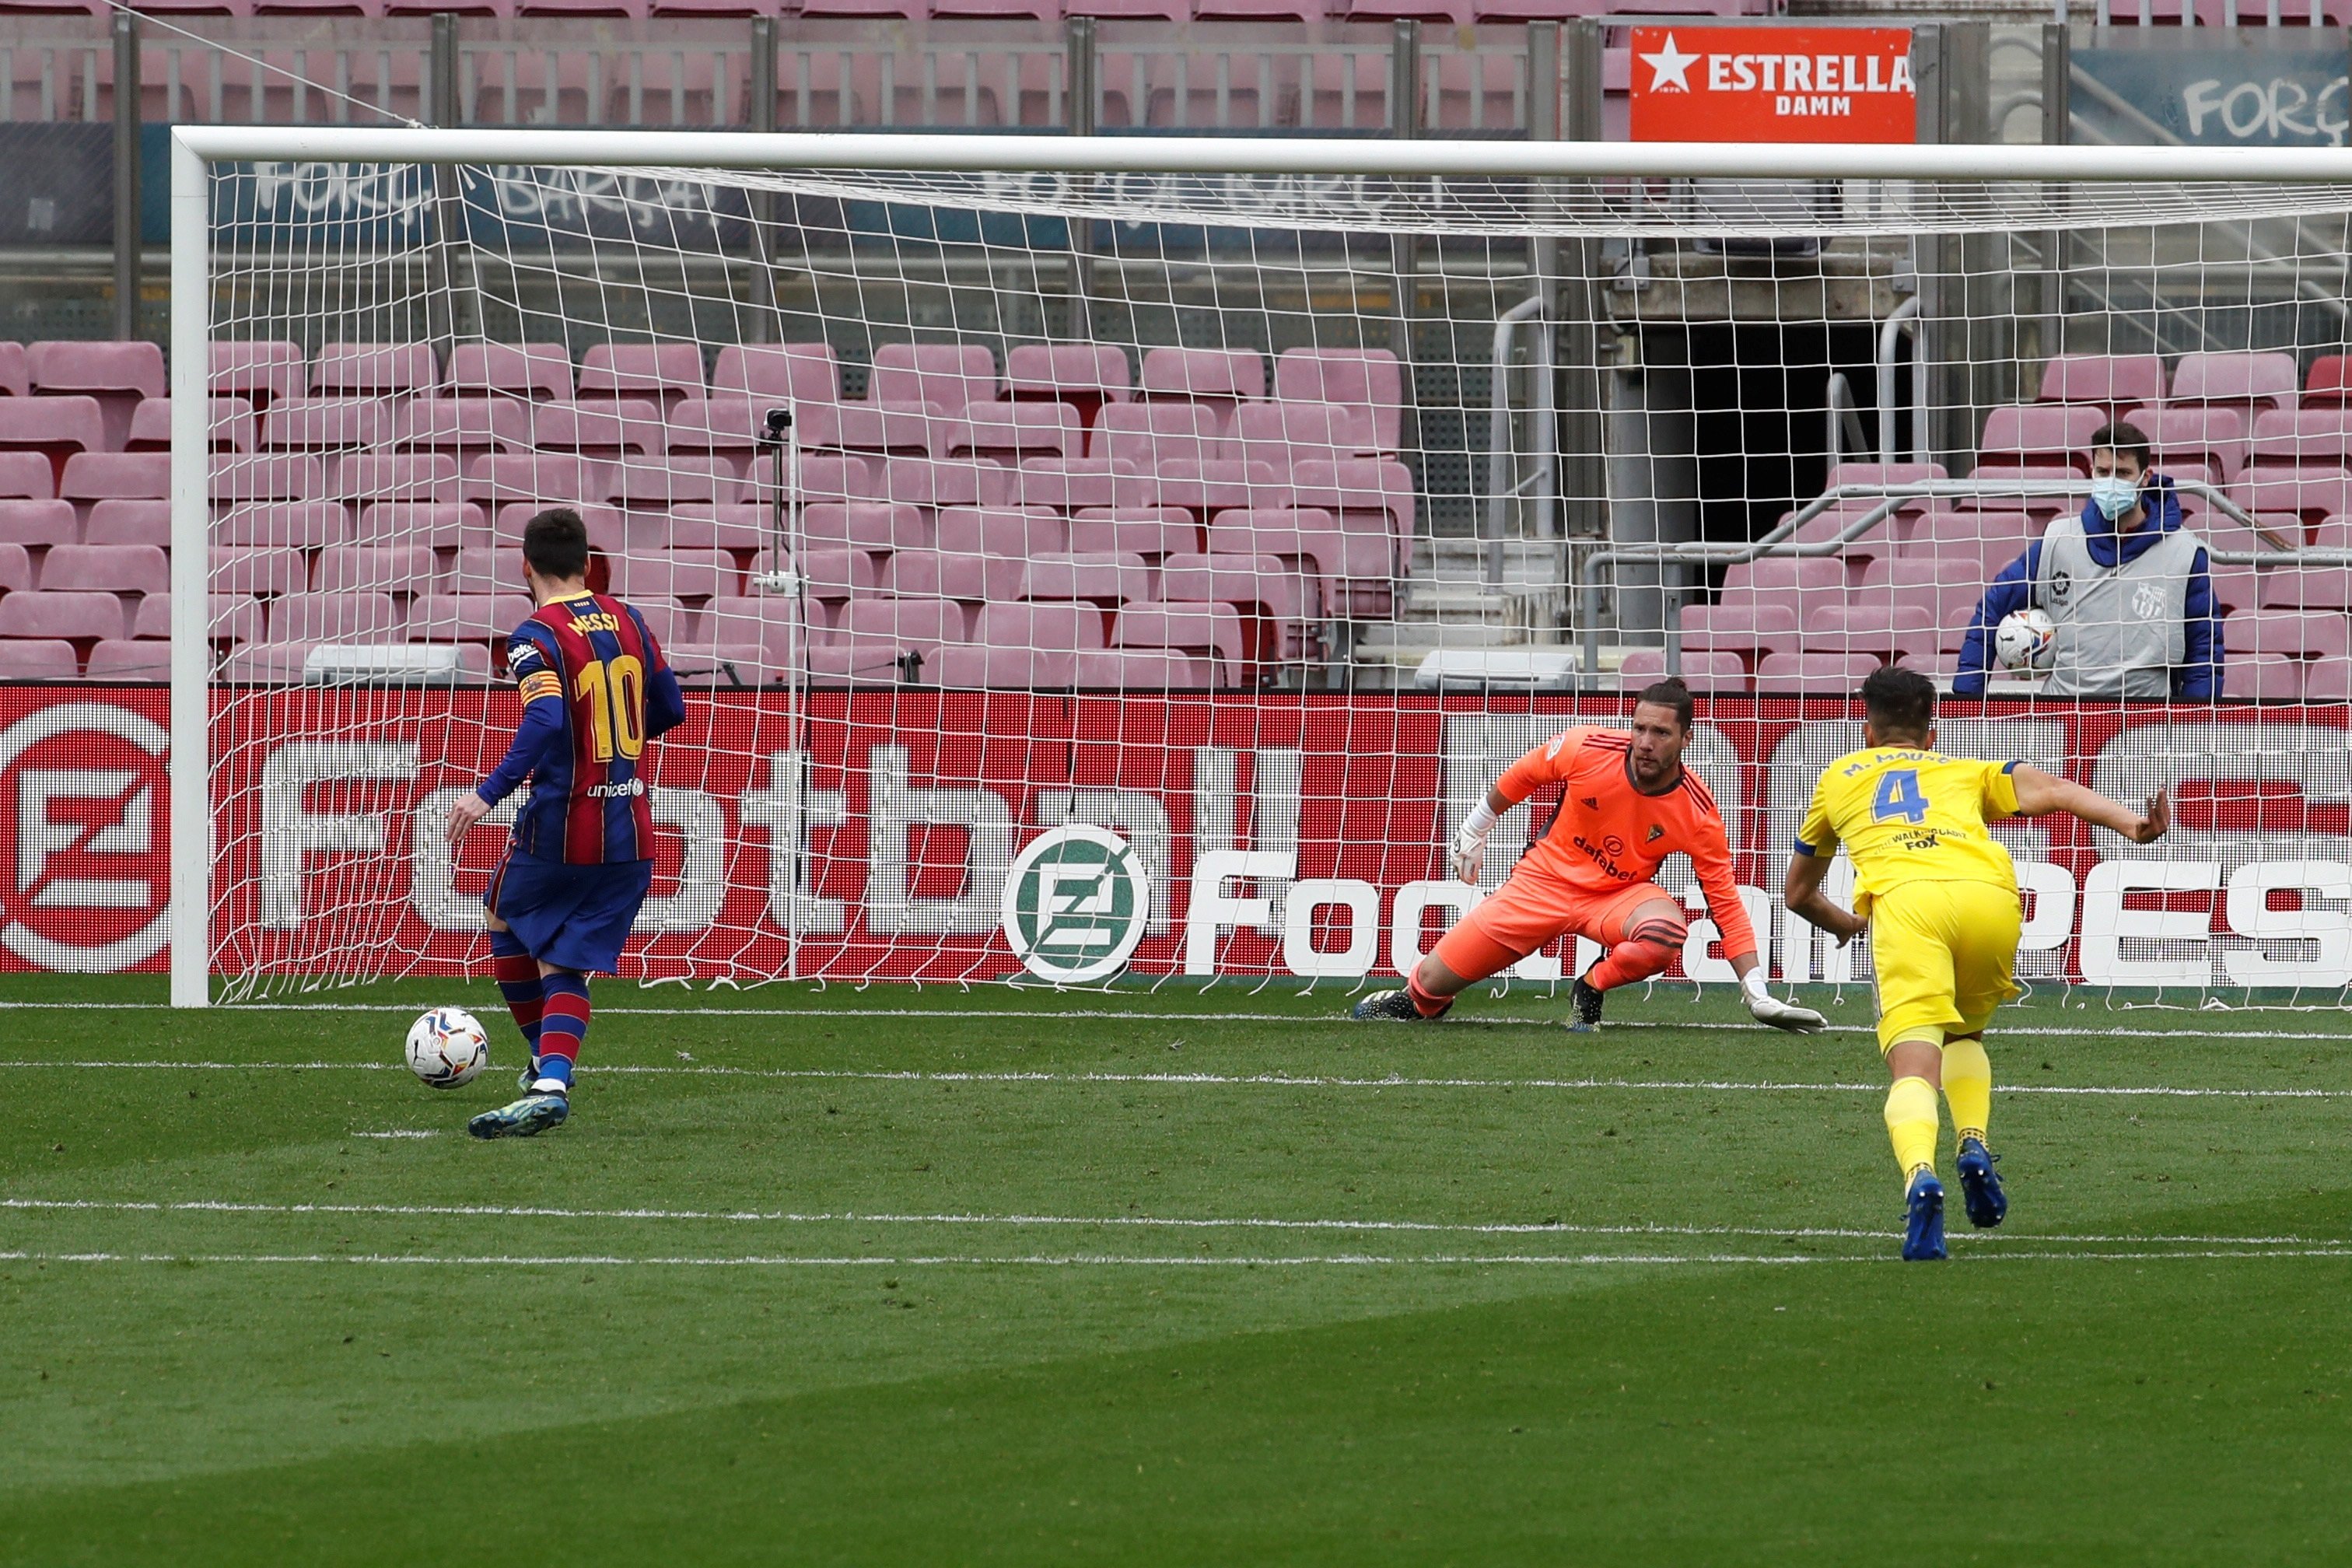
point(1945, 952)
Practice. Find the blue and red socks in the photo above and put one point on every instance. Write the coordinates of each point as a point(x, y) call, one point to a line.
point(516, 972)
point(563, 1024)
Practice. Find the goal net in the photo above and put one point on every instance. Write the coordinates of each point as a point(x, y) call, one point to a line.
point(1245, 525)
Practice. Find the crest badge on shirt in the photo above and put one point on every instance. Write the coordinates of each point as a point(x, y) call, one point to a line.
point(2148, 601)
point(1656, 832)
point(2060, 584)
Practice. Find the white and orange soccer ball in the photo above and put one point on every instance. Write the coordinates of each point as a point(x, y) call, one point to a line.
point(446, 1047)
point(2025, 640)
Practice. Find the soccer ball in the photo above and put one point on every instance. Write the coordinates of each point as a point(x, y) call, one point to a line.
point(446, 1047)
point(2025, 640)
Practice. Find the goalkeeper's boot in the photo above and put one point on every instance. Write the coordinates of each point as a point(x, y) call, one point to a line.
point(1980, 1192)
point(1394, 1005)
point(1922, 1230)
point(529, 1117)
point(1583, 1008)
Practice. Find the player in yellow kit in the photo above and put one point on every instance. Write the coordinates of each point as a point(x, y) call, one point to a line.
point(1939, 895)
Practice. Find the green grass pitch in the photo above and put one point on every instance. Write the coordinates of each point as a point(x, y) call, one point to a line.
point(898, 1277)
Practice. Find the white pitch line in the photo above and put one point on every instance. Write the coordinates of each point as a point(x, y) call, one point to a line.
point(1105, 1260)
point(1092, 1015)
point(401, 1132)
point(1146, 1222)
point(1212, 1080)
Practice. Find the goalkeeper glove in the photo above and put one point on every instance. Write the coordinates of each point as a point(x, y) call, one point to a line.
point(1767, 1008)
point(1470, 842)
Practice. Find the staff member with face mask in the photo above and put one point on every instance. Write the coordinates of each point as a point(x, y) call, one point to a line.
point(2125, 583)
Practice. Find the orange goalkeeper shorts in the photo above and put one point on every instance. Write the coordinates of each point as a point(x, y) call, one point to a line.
point(1530, 910)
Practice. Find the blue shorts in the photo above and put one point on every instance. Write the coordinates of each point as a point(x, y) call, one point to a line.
point(573, 917)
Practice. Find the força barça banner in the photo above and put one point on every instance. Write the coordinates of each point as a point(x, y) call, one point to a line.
point(1283, 834)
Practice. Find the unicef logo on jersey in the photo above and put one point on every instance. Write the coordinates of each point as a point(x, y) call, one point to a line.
point(1076, 900)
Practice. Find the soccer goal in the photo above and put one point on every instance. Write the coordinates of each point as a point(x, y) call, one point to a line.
point(1129, 559)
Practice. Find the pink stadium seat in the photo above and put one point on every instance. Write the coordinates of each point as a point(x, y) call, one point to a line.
point(1206, 489)
point(2302, 494)
point(2112, 382)
point(834, 574)
point(1221, 379)
point(1071, 484)
point(77, 616)
point(1014, 432)
point(463, 428)
point(275, 476)
point(838, 479)
point(370, 370)
point(1884, 631)
point(1947, 587)
point(1061, 627)
point(260, 373)
point(1083, 375)
point(1287, 434)
point(2247, 382)
point(1367, 381)
point(878, 526)
point(1140, 669)
point(325, 424)
point(2038, 505)
point(230, 618)
point(91, 477)
point(1146, 435)
point(978, 667)
point(27, 474)
point(269, 571)
point(608, 531)
point(1746, 628)
point(1710, 674)
point(335, 618)
point(466, 617)
point(38, 525)
point(1151, 532)
point(433, 525)
point(666, 373)
point(2308, 587)
point(2309, 437)
point(531, 371)
point(297, 525)
point(944, 377)
point(375, 569)
point(921, 482)
point(1794, 580)
point(1993, 538)
point(1006, 534)
point(741, 527)
point(2196, 441)
point(606, 431)
point(1260, 588)
point(1811, 674)
point(1105, 578)
point(655, 487)
point(365, 478)
point(234, 426)
point(1214, 633)
point(16, 376)
point(803, 373)
point(484, 569)
point(933, 575)
point(677, 574)
point(1305, 540)
point(52, 427)
point(2262, 677)
point(2326, 388)
point(265, 664)
point(129, 523)
point(2298, 634)
point(37, 658)
point(105, 569)
point(115, 374)
point(120, 658)
point(2042, 433)
point(877, 635)
point(2327, 680)
point(16, 568)
point(540, 478)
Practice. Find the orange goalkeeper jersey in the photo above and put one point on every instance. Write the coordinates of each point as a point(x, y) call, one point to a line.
point(1606, 835)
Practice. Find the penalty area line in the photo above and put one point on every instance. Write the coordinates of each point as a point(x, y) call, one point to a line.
point(1101, 1260)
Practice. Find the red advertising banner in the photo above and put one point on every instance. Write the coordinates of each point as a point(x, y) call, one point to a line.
point(1773, 84)
point(1282, 833)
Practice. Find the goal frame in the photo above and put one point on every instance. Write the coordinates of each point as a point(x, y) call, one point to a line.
point(195, 149)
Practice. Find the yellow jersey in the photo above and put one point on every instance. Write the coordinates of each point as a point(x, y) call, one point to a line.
point(1910, 815)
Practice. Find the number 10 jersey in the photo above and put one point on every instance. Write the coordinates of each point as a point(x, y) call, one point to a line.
point(593, 656)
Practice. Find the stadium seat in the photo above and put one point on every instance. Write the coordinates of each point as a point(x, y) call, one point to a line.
point(53, 428)
point(265, 572)
point(16, 376)
point(1141, 669)
point(918, 481)
point(266, 478)
point(802, 372)
point(116, 375)
point(1069, 628)
point(370, 370)
point(1287, 433)
point(945, 377)
point(609, 431)
point(876, 637)
point(1947, 587)
point(93, 477)
point(539, 478)
point(1220, 380)
point(2195, 441)
point(1148, 435)
point(466, 617)
point(265, 664)
point(1151, 532)
point(1887, 633)
point(334, 618)
point(529, 371)
point(1802, 583)
point(1013, 433)
point(1083, 375)
point(608, 531)
point(2249, 383)
point(2111, 382)
point(2303, 634)
point(1306, 540)
point(2301, 588)
point(80, 616)
point(431, 525)
point(325, 424)
point(36, 659)
point(1993, 538)
point(2301, 438)
point(1811, 674)
point(838, 479)
point(2262, 677)
point(1708, 674)
point(1749, 629)
point(234, 427)
point(1073, 484)
point(365, 478)
point(230, 618)
point(27, 475)
point(38, 525)
point(2041, 433)
point(462, 428)
point(2035, 503)
point(677, 574)
point(969, 580)
point(258, 372)
point(1005, 535)
point(1214, 633)
point(878, 526)
point(655, 487)
point(980, 665)
point(1204, 488)
point(105, 569)
point(129, 523)
point(739, 527)
point(2327, 680)
point(1258, 587)
point(16, 568)
point(1106, 579)
point(662, 374)
point(295, 525)
point(484, 571)
point(2306, 495)
point(2326, 386)
point(121, 658)
point(397, 569)
point(1368, 381)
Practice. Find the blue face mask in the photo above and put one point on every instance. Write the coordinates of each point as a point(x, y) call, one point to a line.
point(2114, 496)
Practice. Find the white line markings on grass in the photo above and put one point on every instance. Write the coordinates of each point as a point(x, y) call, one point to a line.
point(1212, 1080)
point(1142, 1222)
point(2021, 1025)
point(401, 1132)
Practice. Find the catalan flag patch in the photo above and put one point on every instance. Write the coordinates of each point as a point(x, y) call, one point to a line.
point(541, 683)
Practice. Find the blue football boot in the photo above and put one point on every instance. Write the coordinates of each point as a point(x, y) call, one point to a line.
point(1923, 1232)
point(526, 1118)
point(1980, 1192)
point(528, 1076)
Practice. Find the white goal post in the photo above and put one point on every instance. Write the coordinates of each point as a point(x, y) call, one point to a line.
point(1471, 193)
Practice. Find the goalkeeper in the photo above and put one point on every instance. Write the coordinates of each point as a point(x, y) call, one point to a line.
point(1625, 804)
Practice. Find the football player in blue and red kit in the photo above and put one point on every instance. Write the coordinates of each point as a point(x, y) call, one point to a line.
point(595, 689)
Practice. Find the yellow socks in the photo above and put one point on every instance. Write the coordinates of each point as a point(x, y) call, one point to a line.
point(1911, 1123)
point(1967, 1086)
